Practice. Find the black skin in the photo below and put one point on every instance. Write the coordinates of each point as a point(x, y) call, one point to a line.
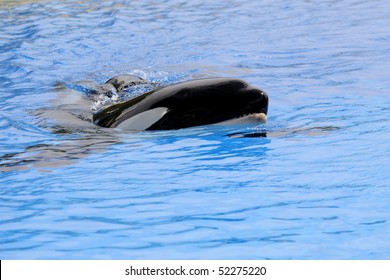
point(192, 103)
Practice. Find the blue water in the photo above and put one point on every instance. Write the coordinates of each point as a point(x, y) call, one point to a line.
point(318, 187)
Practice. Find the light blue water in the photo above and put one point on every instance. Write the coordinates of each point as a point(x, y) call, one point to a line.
point(318, 187)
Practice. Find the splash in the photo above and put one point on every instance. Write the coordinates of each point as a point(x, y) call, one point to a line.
point(154, 79)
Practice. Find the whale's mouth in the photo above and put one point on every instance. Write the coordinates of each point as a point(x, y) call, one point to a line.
point(255, 118)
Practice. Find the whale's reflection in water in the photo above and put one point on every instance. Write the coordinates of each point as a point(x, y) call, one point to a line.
point(77, 145)
point(56, 153)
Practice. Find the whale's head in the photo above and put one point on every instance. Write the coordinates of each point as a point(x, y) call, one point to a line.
point(187, 104)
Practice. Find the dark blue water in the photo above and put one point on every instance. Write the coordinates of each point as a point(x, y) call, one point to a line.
point(318, 187)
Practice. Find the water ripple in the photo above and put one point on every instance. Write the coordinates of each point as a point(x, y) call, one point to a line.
point(315, 188)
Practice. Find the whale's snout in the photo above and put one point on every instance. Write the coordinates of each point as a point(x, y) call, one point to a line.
point(261, 101)
point(264, 102)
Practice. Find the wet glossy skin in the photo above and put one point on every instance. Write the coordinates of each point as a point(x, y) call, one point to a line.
point(192, 103)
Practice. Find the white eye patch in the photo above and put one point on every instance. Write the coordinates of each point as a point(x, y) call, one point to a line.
point(143, 120)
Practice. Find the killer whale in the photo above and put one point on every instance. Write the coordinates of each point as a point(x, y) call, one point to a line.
point(187, 104)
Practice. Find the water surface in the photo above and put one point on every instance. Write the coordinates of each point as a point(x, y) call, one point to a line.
point(316, 188)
